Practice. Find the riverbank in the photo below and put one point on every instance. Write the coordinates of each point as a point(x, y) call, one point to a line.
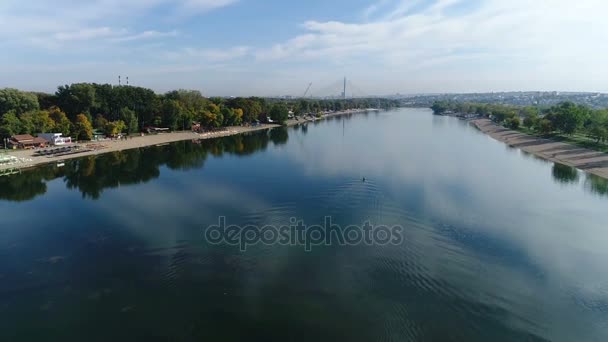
point(305, 119)
point(584, 159)
point(27, 159)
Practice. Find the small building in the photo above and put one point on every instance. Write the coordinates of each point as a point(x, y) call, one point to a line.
point(196, 127)
point(98, 135)
point(55, 139)
point(27, 141)
point(156, 130)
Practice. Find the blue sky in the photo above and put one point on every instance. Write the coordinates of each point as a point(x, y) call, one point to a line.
point(271, 47)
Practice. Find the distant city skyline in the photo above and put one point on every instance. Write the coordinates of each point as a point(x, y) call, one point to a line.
point(275, 48)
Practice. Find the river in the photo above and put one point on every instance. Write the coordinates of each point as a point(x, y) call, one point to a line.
point(496, 245)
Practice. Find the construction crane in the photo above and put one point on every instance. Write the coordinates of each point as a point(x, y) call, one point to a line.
point(307, 89)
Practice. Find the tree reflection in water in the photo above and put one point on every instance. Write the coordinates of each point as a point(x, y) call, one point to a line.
point(91, 175)
point(565, 174)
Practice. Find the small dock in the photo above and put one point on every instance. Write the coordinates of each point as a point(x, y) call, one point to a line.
point(9, 172)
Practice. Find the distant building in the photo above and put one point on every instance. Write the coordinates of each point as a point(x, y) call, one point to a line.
point(55, 139)
point(26, 141)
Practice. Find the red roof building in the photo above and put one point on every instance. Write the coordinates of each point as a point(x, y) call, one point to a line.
point(27, 141)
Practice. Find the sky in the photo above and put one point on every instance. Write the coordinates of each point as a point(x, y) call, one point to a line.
point(278, 47)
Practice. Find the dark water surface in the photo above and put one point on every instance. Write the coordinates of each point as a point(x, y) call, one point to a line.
point(498, 245)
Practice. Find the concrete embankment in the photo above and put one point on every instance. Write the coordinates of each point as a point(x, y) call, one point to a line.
point(590, 161)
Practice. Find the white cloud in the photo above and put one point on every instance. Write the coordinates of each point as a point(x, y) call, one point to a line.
point(190, 54)
point(89, 33)
point(219, 54)
point(47, 24)
point(393, 46)
point(205, 5)
point(146, 35)
point(510, 37)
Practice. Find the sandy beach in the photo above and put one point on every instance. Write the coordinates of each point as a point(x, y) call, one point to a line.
point(27, 158)
point(584, 159)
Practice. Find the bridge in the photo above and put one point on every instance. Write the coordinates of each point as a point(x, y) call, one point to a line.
point(340, 89)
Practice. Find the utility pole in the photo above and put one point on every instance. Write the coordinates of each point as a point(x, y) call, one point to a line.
point(344, 93)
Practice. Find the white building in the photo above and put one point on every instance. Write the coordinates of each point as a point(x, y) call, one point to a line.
point(56, 138)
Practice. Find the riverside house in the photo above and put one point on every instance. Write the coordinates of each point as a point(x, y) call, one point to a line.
point(26, 141)
point(56, 139)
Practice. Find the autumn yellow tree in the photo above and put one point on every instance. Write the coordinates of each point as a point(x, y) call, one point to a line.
point(83, 130)
point(238, 116)
point(113, 128)
point(62, 123)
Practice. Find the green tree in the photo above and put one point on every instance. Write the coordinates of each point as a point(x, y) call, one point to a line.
point(531, 120)
point(238, 116)
point(252, 109)
point(190, 100)
point(75, 99)
point(61, 122)
point(544, 126)
point(228, 115)
point(503, 113)
point(83, 130)
point(279, 113)
point(37, 121)
point(598, 125)
point(440, 107)
point(113, 128)
point(212, 120)
point(129, 118)
point(174, 115)
point(46, 101)
point(513, 122)
point(100, 122)
point(10, 125)
point(17, 101)
point(302, 107)
point(569, 117)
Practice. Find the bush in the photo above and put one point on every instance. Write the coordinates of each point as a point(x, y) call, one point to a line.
point(513, 122)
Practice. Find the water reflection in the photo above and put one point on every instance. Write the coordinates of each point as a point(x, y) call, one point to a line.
point(565, 174)
point(279, 135)
point(27, 185)
point(91, 175)
point(596, 184)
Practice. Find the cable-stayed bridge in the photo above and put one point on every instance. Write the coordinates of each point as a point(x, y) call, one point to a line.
point(340, 89)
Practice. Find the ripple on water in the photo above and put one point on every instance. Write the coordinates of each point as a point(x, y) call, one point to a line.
point(276, 215)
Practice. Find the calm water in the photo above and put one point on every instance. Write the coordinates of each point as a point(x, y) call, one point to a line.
point(499, 246)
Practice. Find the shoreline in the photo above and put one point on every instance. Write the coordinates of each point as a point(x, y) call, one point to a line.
point(584, 159)
point(29, 160)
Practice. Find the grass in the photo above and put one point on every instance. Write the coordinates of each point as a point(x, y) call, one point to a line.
point(574, 139)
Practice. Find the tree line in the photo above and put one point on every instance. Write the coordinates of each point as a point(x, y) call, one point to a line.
point(564, 118)
point(77, 109)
